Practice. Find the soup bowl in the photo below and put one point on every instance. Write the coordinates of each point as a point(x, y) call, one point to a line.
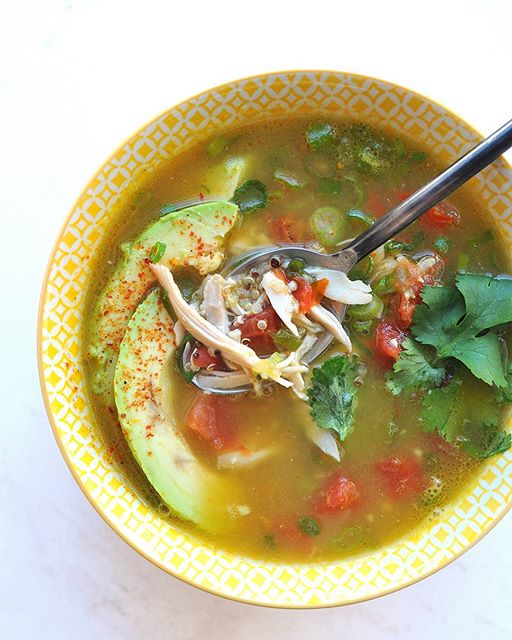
point(417, 555)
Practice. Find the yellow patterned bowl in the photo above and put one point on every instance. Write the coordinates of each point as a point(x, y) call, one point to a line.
point(419, 554)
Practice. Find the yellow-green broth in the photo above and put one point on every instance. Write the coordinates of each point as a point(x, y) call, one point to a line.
point(281, 489)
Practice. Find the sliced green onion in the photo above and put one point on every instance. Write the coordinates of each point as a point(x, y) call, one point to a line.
point(251, 195)
point(395, 246)
point(400, 147)
point(296, 267)
point(329, 186)
point(309, 526)
point(187, 375)
point(157, 251)
point(327, 224)
point(320, 164)
point(385, 285)
point(362, 327)
point(442, 244)
point(288, 179)
point(320, 135)
point(418, 156)
point(357, 214)
point(368, 311)
point(462, 261)
point(286, 339)
point(217, 146)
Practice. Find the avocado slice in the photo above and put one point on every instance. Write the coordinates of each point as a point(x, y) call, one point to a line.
point(193, 238)
point(142, 391)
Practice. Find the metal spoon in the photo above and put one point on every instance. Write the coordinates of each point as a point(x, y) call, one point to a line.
point(382, 230)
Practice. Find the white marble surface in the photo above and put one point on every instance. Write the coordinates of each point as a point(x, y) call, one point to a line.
point(76, 78)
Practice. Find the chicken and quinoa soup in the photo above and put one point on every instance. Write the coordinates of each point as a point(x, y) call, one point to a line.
point(349, 433)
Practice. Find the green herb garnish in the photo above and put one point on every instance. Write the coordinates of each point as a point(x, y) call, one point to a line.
point(442, 244)
point(361, 216)
point(320, 135)
point(308, 526)
point(286, 339)
point(415, 369)
point(157, 251)
point(289, 179)
point(442, 412)
point(459, 323)
point(331, 395)
point(251, 195)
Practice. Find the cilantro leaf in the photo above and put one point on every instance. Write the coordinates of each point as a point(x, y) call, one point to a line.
point(482, 441)
point(457, 322)
point(414, 369)
point(331, 394)
point(440, 410)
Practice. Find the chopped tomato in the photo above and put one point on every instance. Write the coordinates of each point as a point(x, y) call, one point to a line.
point(202, 358)
point(213, 419)
point(259, 337)
point(309, 295)
point(337, 494)
point(403, 475)
point(443, 216)
point(389, 338)
point(280, 229)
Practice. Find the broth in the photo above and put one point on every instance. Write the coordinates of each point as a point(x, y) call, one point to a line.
point(271, 513)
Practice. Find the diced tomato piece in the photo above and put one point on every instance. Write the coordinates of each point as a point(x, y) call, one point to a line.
point(260, 339)
point(403, 475)
point(389, 338)
point(337, 494)
point(308, 295)
point(443, 216)
point(213, 419)
point(280, 229)
point(202, 358)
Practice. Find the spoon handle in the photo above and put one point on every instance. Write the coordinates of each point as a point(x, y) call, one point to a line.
point(422, 200)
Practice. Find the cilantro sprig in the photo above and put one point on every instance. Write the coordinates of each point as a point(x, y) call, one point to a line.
point(331, 394)
point(458, 323)
point(457, 328)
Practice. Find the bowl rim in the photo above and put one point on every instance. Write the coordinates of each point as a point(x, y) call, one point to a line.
point(51, 418)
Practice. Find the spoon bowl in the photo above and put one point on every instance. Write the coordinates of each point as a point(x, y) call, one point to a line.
point(392, 223)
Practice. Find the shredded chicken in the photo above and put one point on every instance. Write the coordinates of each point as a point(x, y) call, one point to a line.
point(212, 307)
point(330, 322)
point(341, 288)
point(281, 299)
point(273, 368)
point(179, 331)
